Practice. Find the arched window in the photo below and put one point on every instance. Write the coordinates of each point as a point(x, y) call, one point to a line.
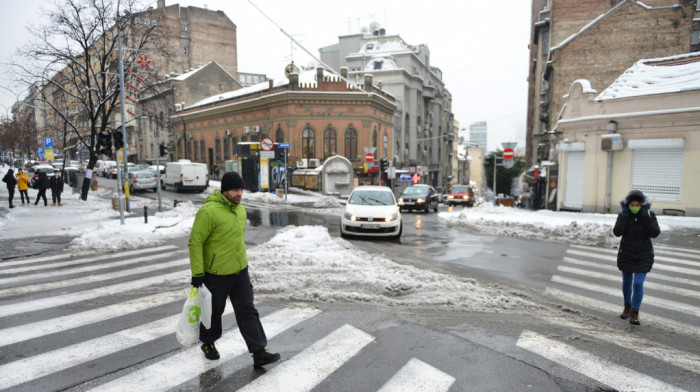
point(279, 135)
point(385, 145)
point(195, 151)
point(330, 142)
point(374, 138)
point(351, 144)
point(308, 141)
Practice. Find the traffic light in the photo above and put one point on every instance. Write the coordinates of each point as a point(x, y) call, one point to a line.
point(383, 164)
point(118, 139)
point(104, 142)
point(163, 150)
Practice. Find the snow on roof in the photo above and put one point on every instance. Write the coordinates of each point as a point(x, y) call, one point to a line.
point(383, 63)
point(657, 76)
point(384, 46)
point(195, 70)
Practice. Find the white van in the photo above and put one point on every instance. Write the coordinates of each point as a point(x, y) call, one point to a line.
point(102, 167)
point(185, 175)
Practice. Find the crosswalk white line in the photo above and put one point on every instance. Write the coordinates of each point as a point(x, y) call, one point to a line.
point(308, 368)
point(84, 260)
point(656, 260)
point(648, 299)
point(652, 349)
point(677, 248)
point(658, 249)
point(599, 369)
point(417, 376)
point(613, 267)
point(190, 362)
point(616, 278)
point(37, 329)
point(32, 260)
point(614, 309)
point(51, 302)
point(32, 288)
point(97, 266)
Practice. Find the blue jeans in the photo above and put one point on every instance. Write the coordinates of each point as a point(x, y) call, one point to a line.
point(633, 288)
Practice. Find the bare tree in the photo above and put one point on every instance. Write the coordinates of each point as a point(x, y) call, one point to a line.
point(75, 59)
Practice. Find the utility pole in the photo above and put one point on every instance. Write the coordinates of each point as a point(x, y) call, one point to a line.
point(123, 115)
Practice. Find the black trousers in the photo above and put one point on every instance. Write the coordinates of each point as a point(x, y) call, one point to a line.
point(56, 196)
point(24, 194)
point(11, 194)
point(240, 292)
point(41, 194)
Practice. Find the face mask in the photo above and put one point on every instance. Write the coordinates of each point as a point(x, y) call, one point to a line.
point(56, 174)
point(635, 210)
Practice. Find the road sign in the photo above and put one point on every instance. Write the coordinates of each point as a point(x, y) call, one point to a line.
point(48, 142)
point(267, 154)
point(415, 178)
point(39, 151)
point(285, 145)
point(369, 157)
point(508, 153)
point(266, 144)
point(508, 163)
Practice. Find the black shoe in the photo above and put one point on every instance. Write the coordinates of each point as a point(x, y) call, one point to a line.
point(264, 357)
point(210, 351)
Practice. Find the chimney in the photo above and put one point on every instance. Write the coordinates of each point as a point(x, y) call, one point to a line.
point(160, 4)
point(319, 74)
point(344, 72)
point(270, 83)
point(368, 80)
point(293, 81)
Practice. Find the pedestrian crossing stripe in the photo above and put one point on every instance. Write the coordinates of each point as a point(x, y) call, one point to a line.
point(189, 363)
point(657, 259)
point(613, 267)
point(617, 279)
point(675, 248)
point(658, 249)
point(648, 299)
point(93, 278)
point(52, 302)
point(72, 261)
point(417, 376)
point(308, 368)
point(599, 369)
point(691, 331)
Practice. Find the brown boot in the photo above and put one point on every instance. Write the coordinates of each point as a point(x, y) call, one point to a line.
point(626, 313)
point(634, 317)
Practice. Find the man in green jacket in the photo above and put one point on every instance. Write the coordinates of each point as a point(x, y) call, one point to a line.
point(219, 261)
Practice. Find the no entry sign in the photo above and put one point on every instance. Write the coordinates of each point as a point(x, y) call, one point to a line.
point(508, 153)
point(369, 157)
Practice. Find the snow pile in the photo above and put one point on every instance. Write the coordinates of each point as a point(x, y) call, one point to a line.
point(570, 227)
point(307, 264)
point(327, 202)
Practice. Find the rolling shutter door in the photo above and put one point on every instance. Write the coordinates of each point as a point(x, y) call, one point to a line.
point(658, 172)
point(574, 179)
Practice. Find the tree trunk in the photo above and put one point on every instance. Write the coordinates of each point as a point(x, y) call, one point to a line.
point(86, 181)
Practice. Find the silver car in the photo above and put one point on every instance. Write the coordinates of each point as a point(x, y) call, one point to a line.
point(142, 181)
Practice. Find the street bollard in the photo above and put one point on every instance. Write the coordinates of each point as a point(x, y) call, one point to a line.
point(174, 203)
point(145, 214)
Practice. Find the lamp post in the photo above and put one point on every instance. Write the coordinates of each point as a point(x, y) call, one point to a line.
point(123, 115)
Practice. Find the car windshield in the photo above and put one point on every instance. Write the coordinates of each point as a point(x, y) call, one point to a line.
point(144, 175)
point(416, 190)
point(371, 198)
point(460, 189)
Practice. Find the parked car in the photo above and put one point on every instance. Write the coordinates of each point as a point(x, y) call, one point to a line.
point(371, 211)
point(185, 175)
point(142, 181)
point(419, 197)
point(155, 169)
point(461, 194)
point(103, 168)
point(48, 169)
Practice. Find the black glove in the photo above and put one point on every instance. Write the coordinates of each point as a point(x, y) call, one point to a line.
point(644, 211)
point(197, 281)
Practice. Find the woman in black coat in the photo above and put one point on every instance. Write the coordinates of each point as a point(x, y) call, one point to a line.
point(637, 226)
point(10, 180)
point(42, 185)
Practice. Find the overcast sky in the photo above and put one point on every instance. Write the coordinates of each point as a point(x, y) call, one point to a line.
point(480, 46)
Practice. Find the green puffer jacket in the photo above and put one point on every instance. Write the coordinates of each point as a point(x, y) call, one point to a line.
point(217, 241)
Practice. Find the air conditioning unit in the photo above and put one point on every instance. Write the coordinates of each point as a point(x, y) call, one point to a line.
point(256, 129)
point(246, 129)
point(228, 132)
point(189, 135)
point(302, 163)
point(612, 142)
point(314, 162)
point(178, 107)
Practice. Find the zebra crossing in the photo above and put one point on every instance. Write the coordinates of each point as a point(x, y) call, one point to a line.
point(588, 278)
point(105, 322)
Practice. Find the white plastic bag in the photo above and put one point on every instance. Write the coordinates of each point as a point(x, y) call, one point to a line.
point(204, 300)
point(187, 332)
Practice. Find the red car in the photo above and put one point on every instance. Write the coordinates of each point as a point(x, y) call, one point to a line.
point(461, 194)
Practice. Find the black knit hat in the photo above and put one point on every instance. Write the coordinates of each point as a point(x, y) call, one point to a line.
point(231, 180)
point(635, 195)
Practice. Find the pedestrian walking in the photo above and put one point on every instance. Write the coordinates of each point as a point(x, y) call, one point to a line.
point(42, 185)
point(10, 181)
point(56, 184)
point(637, 225)
point(23, 185)
point(216, 171)
point(218, 260)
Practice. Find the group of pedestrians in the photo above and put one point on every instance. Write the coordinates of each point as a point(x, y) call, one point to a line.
point(21, 181)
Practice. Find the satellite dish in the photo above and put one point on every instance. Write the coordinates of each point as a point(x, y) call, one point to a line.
point(374, 26)
point(291, 69)
point(364, 30)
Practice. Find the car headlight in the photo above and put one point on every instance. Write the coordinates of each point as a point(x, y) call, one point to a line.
point(420, 201)
point(465, 197)
point(400, 201)
point(451, 197)
point(349, 216)
point(392, 217)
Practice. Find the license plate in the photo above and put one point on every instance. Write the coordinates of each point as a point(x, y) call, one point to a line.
point(409, 203)
point(188, 181)
point(369, 226)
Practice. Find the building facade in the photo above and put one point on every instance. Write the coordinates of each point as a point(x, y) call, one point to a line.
point(640, 133)
point(478, 134)
point(318, 113)
point(423, 122)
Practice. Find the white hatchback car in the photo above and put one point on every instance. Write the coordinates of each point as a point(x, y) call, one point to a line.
point(371, 211)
